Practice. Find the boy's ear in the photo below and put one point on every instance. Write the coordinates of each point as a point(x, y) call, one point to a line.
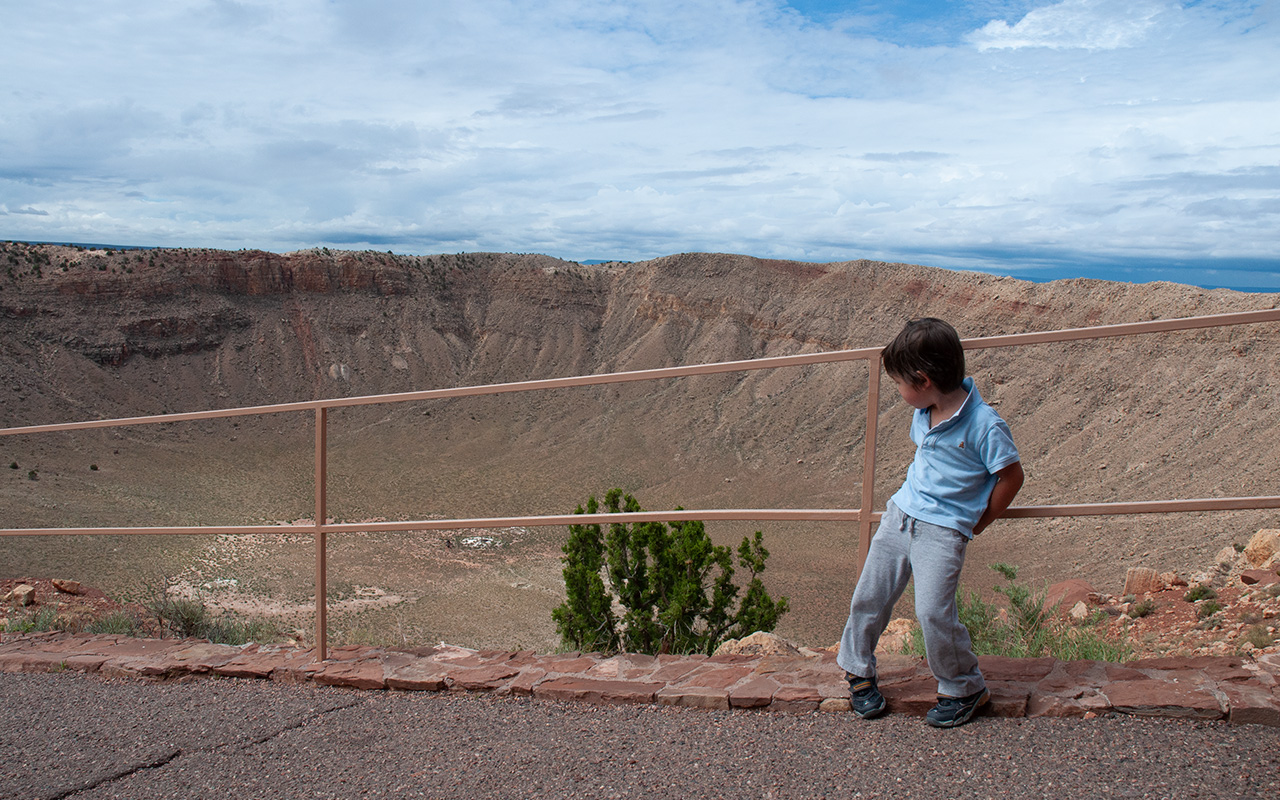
point(921, 380)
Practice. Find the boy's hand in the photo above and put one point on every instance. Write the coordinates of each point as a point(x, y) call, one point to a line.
point(1008, 482)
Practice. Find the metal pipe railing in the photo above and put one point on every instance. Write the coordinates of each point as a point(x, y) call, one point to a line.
point(864, 515)
point(321, 535)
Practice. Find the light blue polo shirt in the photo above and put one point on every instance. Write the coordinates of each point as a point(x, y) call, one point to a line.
point(950, 479)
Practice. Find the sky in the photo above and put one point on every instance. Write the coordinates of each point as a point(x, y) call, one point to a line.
point(1133, 140)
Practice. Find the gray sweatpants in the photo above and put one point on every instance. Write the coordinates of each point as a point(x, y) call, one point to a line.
point(901, 547)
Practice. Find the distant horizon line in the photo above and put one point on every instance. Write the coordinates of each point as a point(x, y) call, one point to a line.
point(1048, 276)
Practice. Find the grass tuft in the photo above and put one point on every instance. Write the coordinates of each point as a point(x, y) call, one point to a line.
point(1029, 630)
point(190, 618)
point(1258, 637)
point(120, 623)
point(42, 619)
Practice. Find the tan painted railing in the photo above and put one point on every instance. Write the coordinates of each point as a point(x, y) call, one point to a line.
point(864, 514)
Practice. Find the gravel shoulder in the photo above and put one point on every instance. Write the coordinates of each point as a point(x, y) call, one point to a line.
point(74, 736)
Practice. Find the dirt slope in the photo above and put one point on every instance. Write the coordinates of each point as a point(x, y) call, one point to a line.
point(92, 333)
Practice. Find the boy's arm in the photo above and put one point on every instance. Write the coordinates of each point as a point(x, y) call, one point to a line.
point(1008, 482)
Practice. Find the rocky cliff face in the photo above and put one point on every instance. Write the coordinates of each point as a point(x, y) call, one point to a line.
point(94, 333)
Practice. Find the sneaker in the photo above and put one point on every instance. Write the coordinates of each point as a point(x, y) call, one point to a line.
point(864, 698)
point(953, 711)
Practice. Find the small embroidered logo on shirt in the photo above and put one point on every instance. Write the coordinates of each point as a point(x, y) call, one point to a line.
point(961, 445)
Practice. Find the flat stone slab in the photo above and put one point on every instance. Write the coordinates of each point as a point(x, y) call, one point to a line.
point(694, 697)
point(1157, 698)
point(250, 665)
point(484, 678)
point(201, 657)
point(1240, 690)
point(594, 690)
point(408, 672)
point(710, 677)
point(754, 692)
point(1252, 705)
point(366, 673)
point(796, 699)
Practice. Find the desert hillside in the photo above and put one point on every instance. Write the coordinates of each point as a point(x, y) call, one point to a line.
point(108, 334)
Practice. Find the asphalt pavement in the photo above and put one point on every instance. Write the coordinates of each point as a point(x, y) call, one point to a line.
point(74, 735)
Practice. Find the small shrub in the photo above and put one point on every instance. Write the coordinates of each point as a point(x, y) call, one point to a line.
point(180, 616)
point(1029, 613)
point(33, 475)
point(1207, 609)
point(1143, 608)
point(1202, 592)
point(13, 465)
point(93, 467)
point(190, 618)
point(1258, 637)
point(1238, 547)
point(673, 587)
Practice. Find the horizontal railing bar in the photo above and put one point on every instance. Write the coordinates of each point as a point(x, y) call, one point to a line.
point(689, 370)
point(1125, 329)
point(186, 416)
point(1146, 507)
point(187, 530)
point(818, 514)
point(684, 515)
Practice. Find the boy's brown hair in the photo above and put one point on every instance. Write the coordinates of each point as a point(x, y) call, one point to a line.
point(930, 346)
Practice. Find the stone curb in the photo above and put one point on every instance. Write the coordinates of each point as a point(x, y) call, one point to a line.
point(1238, 690)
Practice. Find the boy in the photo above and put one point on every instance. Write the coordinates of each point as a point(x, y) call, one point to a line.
point(965, 473)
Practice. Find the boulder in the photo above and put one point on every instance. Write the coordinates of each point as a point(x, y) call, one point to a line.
point(1172, 579)
point(1080, 611)
point(1142, 580)
point(1068, 593)
point(24, 594)
point(1260, 577)
point(1226, 557)
point(759, 643)
point(67, 587)
point(1264, 546)
point(896, 636)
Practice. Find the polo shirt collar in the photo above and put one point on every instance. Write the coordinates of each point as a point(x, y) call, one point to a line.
point(971, 400)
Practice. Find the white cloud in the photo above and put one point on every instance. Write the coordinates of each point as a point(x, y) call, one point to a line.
point(1074, 24)
point(595, 129)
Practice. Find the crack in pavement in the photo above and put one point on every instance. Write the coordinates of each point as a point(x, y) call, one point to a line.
point(94, 783)
point(161, 761)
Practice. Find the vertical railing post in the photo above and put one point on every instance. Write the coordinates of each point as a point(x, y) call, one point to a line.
point(322, 591)
point(869, 462)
